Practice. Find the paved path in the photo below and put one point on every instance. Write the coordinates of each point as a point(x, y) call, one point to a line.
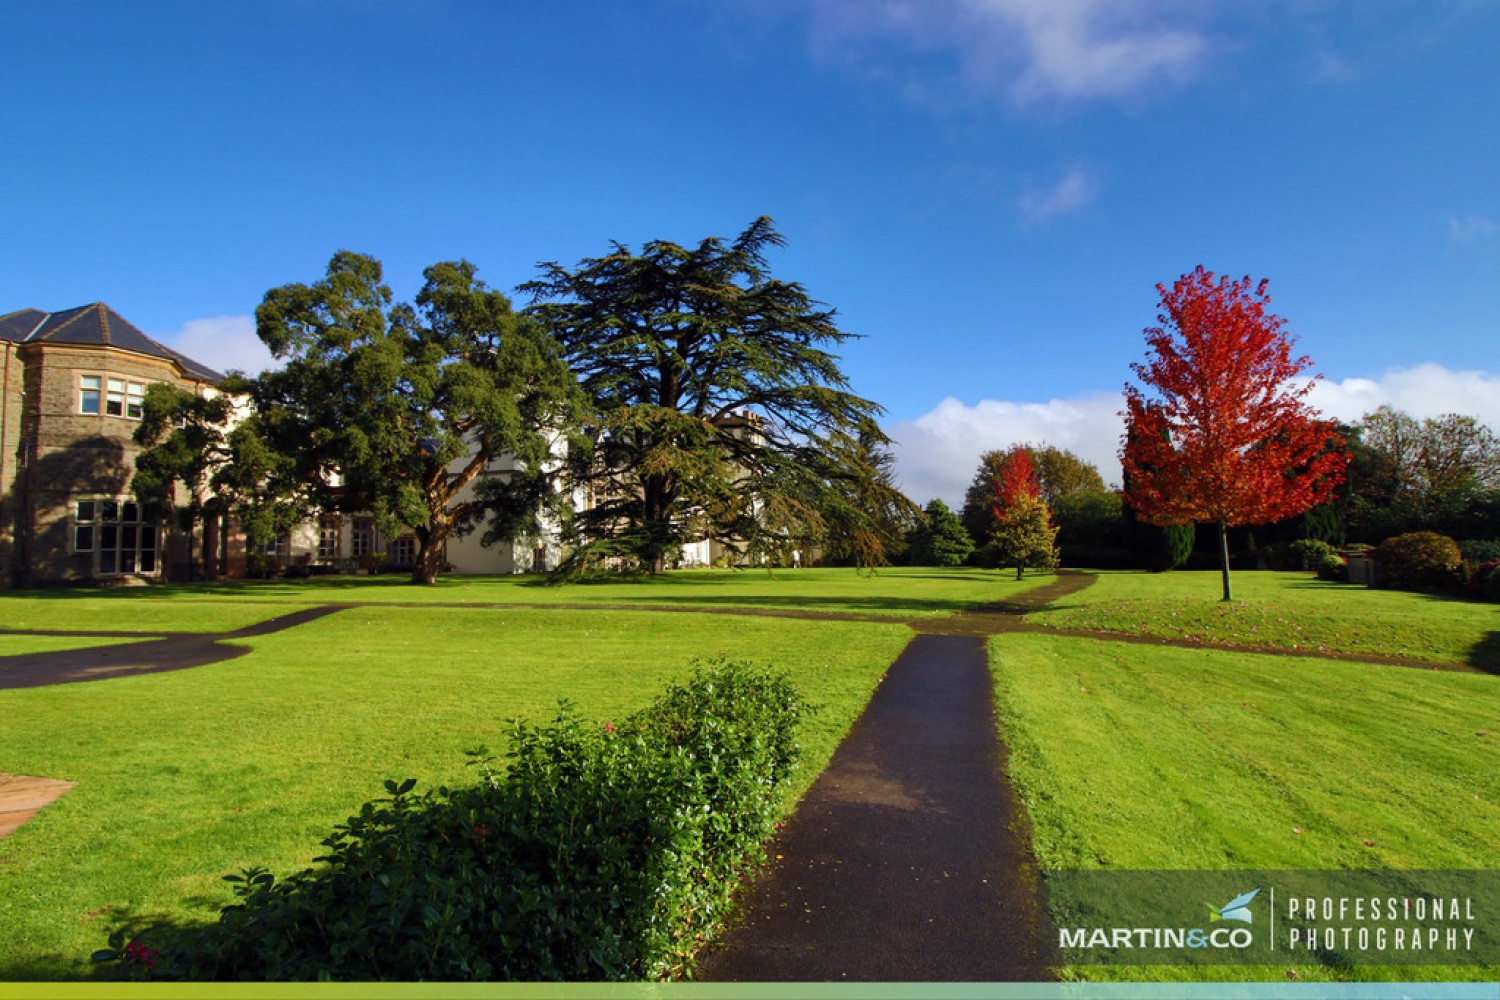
point(23, 796)
point(907, 860)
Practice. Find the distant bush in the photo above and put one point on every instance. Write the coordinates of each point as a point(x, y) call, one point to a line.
point(1333, 567)
point(1304, 554)
point(603, 853)
point(1421, 560)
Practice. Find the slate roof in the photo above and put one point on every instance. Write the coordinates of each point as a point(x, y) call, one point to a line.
point(97, 325)
point(17, 326)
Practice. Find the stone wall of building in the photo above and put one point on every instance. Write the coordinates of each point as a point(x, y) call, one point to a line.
point(72, 456)
point(12, 400)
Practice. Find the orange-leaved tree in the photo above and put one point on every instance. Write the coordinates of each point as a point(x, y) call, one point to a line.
point(1024, 534)
point(1227, 437)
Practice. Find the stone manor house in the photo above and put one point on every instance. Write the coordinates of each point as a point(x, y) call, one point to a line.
point(71, 389)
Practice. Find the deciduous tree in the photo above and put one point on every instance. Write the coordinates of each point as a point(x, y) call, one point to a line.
point(1024, 535)
point(396, 408)
point(1219, 431)
point(1060, 473)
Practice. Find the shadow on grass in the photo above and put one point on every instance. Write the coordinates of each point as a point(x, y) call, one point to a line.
point(1485, 654)
point(132, 919)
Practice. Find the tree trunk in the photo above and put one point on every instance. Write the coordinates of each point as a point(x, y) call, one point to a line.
point(429, 561)
point(1020, 569)
point(1224, 558)
point(428, 564)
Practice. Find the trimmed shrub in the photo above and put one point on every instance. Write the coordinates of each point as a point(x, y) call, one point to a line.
point(602, 853)
point(1333, 567)
point(1421, 560)
point(1303, 554)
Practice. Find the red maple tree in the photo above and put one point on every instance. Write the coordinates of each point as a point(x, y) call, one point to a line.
point(1017, 478)
point(1227, 438)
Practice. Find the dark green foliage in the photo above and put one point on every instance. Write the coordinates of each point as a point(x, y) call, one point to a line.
point(1321, 523)
point(1159, 549)
point(1303, 554)
point(720, 409)
point(396, 407)
point(1480, 550)
point(1332, 567)
point(603, 853)
point(941, 539)
point(1060, 474)
point(1421, 560)
point(1091, 528)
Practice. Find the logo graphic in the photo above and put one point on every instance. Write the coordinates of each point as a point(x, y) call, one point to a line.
point(1237, 908)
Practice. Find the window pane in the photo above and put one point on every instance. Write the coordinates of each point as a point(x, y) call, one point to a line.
point(109, 537)
point(148, 562)
point(85, 510)
point(92, 382)
point(114, 406)
point(106, 562)
point(109, 510)
point(116, 385)
point(127, 561)
point(83, 538)
point(148, 540)
point(136, 389)
point(133, 409)
point(88, 401)
point(130, 512)
point(127, 536)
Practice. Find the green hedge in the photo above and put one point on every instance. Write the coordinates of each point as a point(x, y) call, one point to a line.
point(1421, 560)
point(603, 852)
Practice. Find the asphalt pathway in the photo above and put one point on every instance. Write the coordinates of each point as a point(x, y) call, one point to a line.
point(907, 859)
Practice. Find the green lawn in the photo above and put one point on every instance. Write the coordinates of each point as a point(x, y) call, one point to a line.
point(1133, 756)
point(1286, 610)
point(896, 592)
point(16, 645)
point(157, 609)
point(183, 777)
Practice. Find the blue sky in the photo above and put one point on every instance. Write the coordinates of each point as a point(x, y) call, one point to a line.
point(988, 190)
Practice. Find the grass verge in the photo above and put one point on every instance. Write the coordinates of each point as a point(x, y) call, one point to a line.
point(1285, 611)
point(1142, 757)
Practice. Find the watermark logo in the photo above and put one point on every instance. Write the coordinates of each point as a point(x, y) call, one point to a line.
point(1237, 908)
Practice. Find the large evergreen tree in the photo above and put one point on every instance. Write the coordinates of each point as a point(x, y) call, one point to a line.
point(941, 539)
point(720, 409)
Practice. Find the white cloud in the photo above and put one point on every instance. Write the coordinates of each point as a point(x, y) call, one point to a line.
point(222, 343)
point(1095, 48)
point(1026, 51)
point(1069, 193)
point(1428, 390)
point(938, 452)
point(1471, 228)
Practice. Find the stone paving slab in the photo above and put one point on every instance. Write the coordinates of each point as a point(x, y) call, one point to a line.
point(23, 796)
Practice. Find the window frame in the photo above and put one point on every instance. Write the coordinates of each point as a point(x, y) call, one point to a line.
point(111, 522)
point(105, 394)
